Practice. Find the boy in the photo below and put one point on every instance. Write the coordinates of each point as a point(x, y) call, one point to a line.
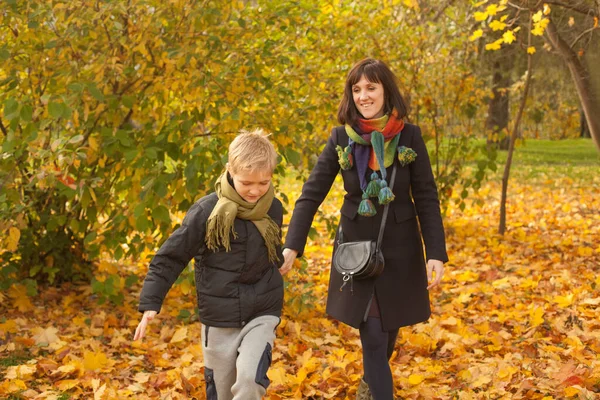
point(234, 235)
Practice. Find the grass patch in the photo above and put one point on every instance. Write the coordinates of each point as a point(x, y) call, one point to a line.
point(577, 159)
point(568, 152)
point(14, 359)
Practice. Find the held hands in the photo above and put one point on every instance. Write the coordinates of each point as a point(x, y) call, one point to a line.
point(437, 267)
point(289, 256)
point(140, 331)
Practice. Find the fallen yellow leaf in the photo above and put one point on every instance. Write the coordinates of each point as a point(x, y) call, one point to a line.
point(415, 379)
point(180, 335)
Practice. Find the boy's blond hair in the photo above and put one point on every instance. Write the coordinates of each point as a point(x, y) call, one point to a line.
point(251, 151)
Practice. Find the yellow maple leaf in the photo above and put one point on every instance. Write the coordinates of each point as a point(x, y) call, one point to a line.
point(98, 390)
point(508, 37)
point(10, 326)
point(564, 301)
point(497, 25)
point(14, 234)
point(66, 384)
point(277, 376)
point(480, 16)
point(571, 391)
point(23, 372)
point(492, 9)
point(531, 50)
point(476, 35)
point(180, 335)
point(415, 379)
point(108, 267)
point(411, 4)
point(95, 361)
point(20, 299)
point(536, 316)
point(537, 17)
point(45, 336)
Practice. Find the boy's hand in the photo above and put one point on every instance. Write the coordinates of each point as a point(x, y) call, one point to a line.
point(289, 256)
point(140, 331)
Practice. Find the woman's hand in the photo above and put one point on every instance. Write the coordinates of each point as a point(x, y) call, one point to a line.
point(434, 266)
point(140, 331)
point(289, 256)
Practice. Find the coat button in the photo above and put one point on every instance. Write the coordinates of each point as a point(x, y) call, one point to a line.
point(208, 379)
point(243, 323)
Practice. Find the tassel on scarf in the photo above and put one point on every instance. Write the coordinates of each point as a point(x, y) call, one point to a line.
point(222, 226)
point(373, 186)
point(345, 157)
point(385, 194)
point(366, 207)
point(406, 155)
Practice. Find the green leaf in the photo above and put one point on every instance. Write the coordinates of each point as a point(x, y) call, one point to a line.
point(76, 139)
point(128, 101)
point(131, 279)
point(139, 210)
point(89, 238)
point(11, 109)
point(142, 224)
point(292, 156)
point(161, 213)
point(75, 87)
point(95, 92)
point(56, 109)
point(26, 113)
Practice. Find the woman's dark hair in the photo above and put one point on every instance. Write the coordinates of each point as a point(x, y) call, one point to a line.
point(377, 72)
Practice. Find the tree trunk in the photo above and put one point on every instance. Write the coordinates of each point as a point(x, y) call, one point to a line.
point(497, 119)
point(513, 138)
point(584, 129)
point(583, 84)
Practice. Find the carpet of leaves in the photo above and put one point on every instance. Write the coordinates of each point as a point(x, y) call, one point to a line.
point(517, 317)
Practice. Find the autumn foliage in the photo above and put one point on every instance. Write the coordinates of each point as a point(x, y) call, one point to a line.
point(516, 317)
point(114, 117)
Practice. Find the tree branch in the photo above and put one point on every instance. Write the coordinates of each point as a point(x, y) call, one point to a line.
point(442, 9)
point(578, 38)
point(580, 8)
point(3, 128)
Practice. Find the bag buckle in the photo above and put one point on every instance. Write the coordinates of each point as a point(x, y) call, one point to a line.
point(348, 277)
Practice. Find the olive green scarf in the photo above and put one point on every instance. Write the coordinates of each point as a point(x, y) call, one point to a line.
point(231, 205)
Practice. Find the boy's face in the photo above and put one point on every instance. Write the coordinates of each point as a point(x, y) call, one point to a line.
point(251, 185)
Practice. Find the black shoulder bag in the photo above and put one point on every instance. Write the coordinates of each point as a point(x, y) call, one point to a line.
point(361, 259)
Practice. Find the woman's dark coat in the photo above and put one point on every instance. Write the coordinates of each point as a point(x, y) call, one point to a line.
point(401, 290)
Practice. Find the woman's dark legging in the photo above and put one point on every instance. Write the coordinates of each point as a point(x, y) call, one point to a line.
point(378, 347)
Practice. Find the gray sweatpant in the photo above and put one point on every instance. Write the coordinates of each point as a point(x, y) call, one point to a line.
point(236, 360)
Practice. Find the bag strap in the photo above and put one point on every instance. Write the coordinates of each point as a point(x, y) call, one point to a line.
point(386, 209)
point(385, 214)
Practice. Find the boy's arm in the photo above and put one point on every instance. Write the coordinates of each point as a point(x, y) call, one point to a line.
point(173, 256)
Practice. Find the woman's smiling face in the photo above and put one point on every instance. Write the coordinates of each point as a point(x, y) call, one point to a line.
point(369, 98)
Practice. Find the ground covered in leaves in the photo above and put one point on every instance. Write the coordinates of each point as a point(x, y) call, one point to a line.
point(516, 317)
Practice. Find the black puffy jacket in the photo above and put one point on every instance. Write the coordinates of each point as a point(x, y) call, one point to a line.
point(233, 286)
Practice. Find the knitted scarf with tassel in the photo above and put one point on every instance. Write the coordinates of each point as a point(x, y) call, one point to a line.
point(230, 205)
point(372, 144)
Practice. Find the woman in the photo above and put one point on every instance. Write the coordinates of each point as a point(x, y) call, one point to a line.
point(398, 297)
